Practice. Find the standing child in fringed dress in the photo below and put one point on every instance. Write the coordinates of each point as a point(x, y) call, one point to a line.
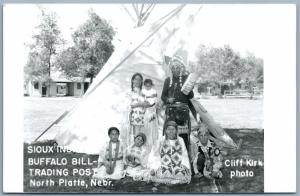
point(151, 120)
point(110, 161)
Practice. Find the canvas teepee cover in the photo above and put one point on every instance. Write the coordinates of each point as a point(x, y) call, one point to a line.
point(84, 129)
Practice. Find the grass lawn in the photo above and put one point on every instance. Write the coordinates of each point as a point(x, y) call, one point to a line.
point(235, 115)
point(39, 113)
point(251, 149)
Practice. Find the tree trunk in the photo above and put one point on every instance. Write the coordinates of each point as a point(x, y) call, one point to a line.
point(49, 79)
point(49, 70)
point(49, 63)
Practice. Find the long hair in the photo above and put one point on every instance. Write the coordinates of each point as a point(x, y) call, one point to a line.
point(132, 78)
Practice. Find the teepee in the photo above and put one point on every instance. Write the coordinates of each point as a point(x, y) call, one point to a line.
point(84, 128)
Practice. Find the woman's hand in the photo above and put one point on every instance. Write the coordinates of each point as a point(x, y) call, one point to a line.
point(140, 104)
point(129, 159)
point(188, 171)
point(137, 161)
point(137, 105)
point(147, 104)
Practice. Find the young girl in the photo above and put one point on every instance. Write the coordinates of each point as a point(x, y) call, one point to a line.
point(136, 157)
point(110, 162)
point(151, 120)
point(134, 116)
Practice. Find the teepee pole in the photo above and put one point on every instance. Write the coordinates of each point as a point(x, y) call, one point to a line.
point(132, 52)
point(49, 127)
point(170, 15)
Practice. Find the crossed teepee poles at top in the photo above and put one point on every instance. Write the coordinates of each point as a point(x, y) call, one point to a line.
point(140, 14)
point(142, 17)
point(116, 64)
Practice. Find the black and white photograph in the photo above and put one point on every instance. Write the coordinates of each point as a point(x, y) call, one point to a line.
point(143, 98)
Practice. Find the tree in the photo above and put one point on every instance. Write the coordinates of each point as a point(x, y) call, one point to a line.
point(36, 68)
point(44, 47)
point(92, 48)
point(68, 62)
point(217, 65)
point(254, 68)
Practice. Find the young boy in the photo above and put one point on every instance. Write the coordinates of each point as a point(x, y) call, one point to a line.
point(110, 161)
point(201, 148)
point(206, 158)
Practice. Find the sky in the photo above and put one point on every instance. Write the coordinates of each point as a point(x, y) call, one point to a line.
point(246, 28)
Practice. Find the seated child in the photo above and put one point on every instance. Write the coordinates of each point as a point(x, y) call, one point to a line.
point(206, 158)
point(110, 161)
point(194, 135)
point(217, 163)
point(136, 157)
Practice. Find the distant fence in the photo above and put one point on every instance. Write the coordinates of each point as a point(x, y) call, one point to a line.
point(243, 93)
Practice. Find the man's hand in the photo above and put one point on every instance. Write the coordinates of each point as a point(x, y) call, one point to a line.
point(171, 100)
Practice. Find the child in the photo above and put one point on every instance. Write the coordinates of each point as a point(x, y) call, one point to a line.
point(206, 157)
point(110, 162)
point(194, 135)
point(149, 92)
point(151, 120)
point(217, 163)
point(201, 152)
point(136, 157)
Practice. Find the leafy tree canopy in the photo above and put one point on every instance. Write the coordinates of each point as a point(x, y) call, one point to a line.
point(46, 40)
point(223, 64)
point(92, 48)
